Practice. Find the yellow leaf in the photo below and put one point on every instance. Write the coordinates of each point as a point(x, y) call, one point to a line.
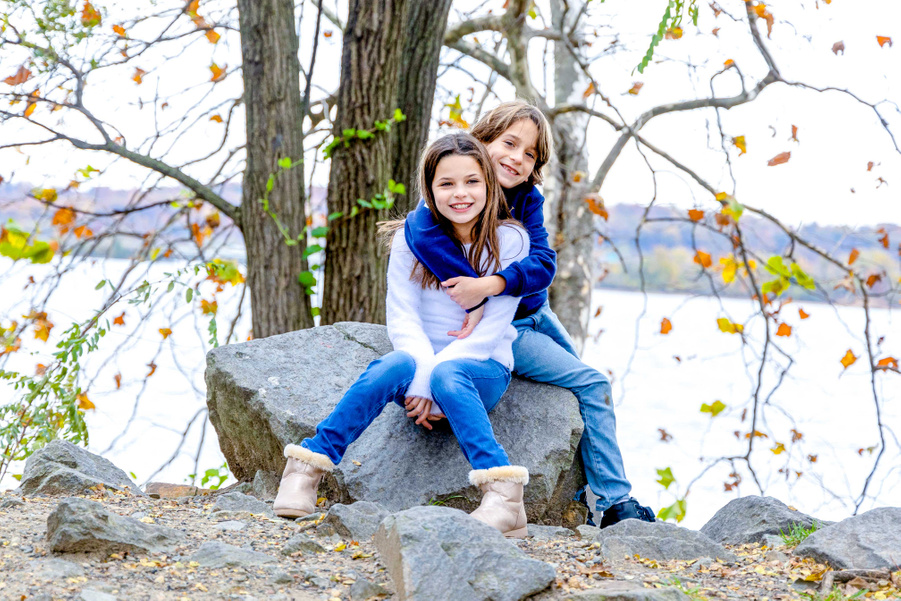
point(673, 33)
point(84, 403)
point(728, 327)
point(666, 326)
point(722, 196)
point(848, 359)
point(739, 142)
point(729, 268)
point(341, 547)
point(209, 308)
point(778, 449)
point(50, 195)
point(166, 332)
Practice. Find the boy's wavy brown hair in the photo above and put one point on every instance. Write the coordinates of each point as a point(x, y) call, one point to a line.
point(503, 116)
point(484, 231)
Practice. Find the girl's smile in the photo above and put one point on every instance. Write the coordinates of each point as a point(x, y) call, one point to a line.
point(460, 192)
point(513, 153)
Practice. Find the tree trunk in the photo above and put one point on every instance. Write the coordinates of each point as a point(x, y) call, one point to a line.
point(354, 287)
point(568, 219)
point(272, 103)
point(426, 22)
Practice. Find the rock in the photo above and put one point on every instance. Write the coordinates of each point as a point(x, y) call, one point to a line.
point(363, 589)
point(239, 502)
point(627, 591)
point(230, 525)
point(657, 540)
point(309, 518)
point(79, 525)
point(587, 532)
point(62, 468)
point(302, 543)
point(358, 521)
point(280, 577)
point(437, 553)
point(54, 568)
point(163, 490)
point(549, 532)
point(213, 554)
point(867, 541)
point(772, 541)
point(11, 502)
point(90, 594)
point(317, 580)
point(267, 393)
point(265, 485)
point(750, 519)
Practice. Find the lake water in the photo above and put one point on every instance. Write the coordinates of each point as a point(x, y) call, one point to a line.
point(659, 382)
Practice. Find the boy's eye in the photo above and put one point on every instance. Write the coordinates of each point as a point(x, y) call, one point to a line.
point(508, 142)
point(531, 155)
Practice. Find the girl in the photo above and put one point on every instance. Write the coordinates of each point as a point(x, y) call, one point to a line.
point(518, 140)
point(465, 378)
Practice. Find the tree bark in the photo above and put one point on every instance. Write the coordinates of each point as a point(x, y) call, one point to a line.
point(272, 102)
point(354, 288)
point(426, 22)
point(568, 219)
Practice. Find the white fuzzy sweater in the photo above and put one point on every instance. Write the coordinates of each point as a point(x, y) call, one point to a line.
point(419, 319)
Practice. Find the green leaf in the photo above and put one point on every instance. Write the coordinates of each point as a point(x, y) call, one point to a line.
point(100, 285)
point(379, 204)
point(802, 278)
point(270, 183)
point(189, 294)
point(310, 250)
point(284, 162)
point(777, 286)
point(365, 135)
point(348, 133)
point(715, 409)
point(666, 477)
point(307, 279)
point(354, 212)
point(314, 311)
point(675, 511)
point(132, 474)
point(364, 203)
point(396, 188)
point(399, 115)
point(320, 232)
point(171, 286)
point(775, 266)
point(335, 215)
point(17, 477)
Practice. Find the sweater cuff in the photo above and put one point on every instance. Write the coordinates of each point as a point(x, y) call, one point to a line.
point(420, 386)
point(514, 281)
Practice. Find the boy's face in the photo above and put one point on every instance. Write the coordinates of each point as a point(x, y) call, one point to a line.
point(513, 153)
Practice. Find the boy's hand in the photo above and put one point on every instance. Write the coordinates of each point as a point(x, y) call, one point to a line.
point(469, 323)
point(469, 292)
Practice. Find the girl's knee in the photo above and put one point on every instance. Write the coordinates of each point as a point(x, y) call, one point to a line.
point(398, 363)
point(444, 376)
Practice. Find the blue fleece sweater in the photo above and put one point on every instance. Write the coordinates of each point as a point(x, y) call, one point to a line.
point(528, 278)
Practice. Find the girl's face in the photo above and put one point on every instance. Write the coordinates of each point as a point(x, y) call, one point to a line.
point(513, 153)
point(460, 193)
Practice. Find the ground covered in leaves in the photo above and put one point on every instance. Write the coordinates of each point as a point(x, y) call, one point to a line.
point(351, 569)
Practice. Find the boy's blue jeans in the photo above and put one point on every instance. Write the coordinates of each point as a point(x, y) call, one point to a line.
point(544, 352)
point(465, 390)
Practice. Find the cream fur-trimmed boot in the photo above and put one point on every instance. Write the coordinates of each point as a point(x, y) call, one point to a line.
point(502, 506)
point(300, 480)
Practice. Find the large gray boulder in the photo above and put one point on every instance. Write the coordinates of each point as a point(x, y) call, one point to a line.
point(62, 468)
point(657, 540)
point(79, 525)
point(750, 519)
point(868, 541)
point(265, 394)
point(439, 553)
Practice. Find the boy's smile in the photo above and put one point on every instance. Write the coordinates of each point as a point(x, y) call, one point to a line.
point(513, 153)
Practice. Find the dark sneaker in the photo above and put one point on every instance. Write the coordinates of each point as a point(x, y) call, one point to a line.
point(627, 510)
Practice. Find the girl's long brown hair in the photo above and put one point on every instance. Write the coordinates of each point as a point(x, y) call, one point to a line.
point(484, 231)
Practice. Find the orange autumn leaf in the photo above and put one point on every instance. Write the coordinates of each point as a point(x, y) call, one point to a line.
point(870, 165)
point(138, 77)
point(729, 63)
point(589, 90)
point(598, 312)
point(118, 379)
point(209, 308)
point(784, 330)
point(883, 40)
point(119, 321)
point(853, 256)
point(218, 72)
point(217, 118)
point(166, 332)
point(152, 367)
point(673, 33)
point(597, 207)
point(84, 403)
point(780, 158)
point(848, 359)
point(82, 231)
point(695, 214)
point(874, 279)
point(90, 17)
point(703, 259)
point(40, 369)
point(636, 87)
point(666, 326)
point(42, 329)
point(739, 142)
point(803, 314)
point(192, 8)
point(212, 36)
point(888, 362)
point(119, 30)
point(794, 133)
point(762, 12)
point(22, 75)
point(327, 33)
point(31, 103)
point(884, 238)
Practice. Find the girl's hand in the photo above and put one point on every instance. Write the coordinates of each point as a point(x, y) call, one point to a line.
point(469, 323)
point(469, 292)
point(420, 408)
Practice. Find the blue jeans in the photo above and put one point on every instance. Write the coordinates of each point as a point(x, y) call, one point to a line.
point(465, 390)
point(544, 352)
